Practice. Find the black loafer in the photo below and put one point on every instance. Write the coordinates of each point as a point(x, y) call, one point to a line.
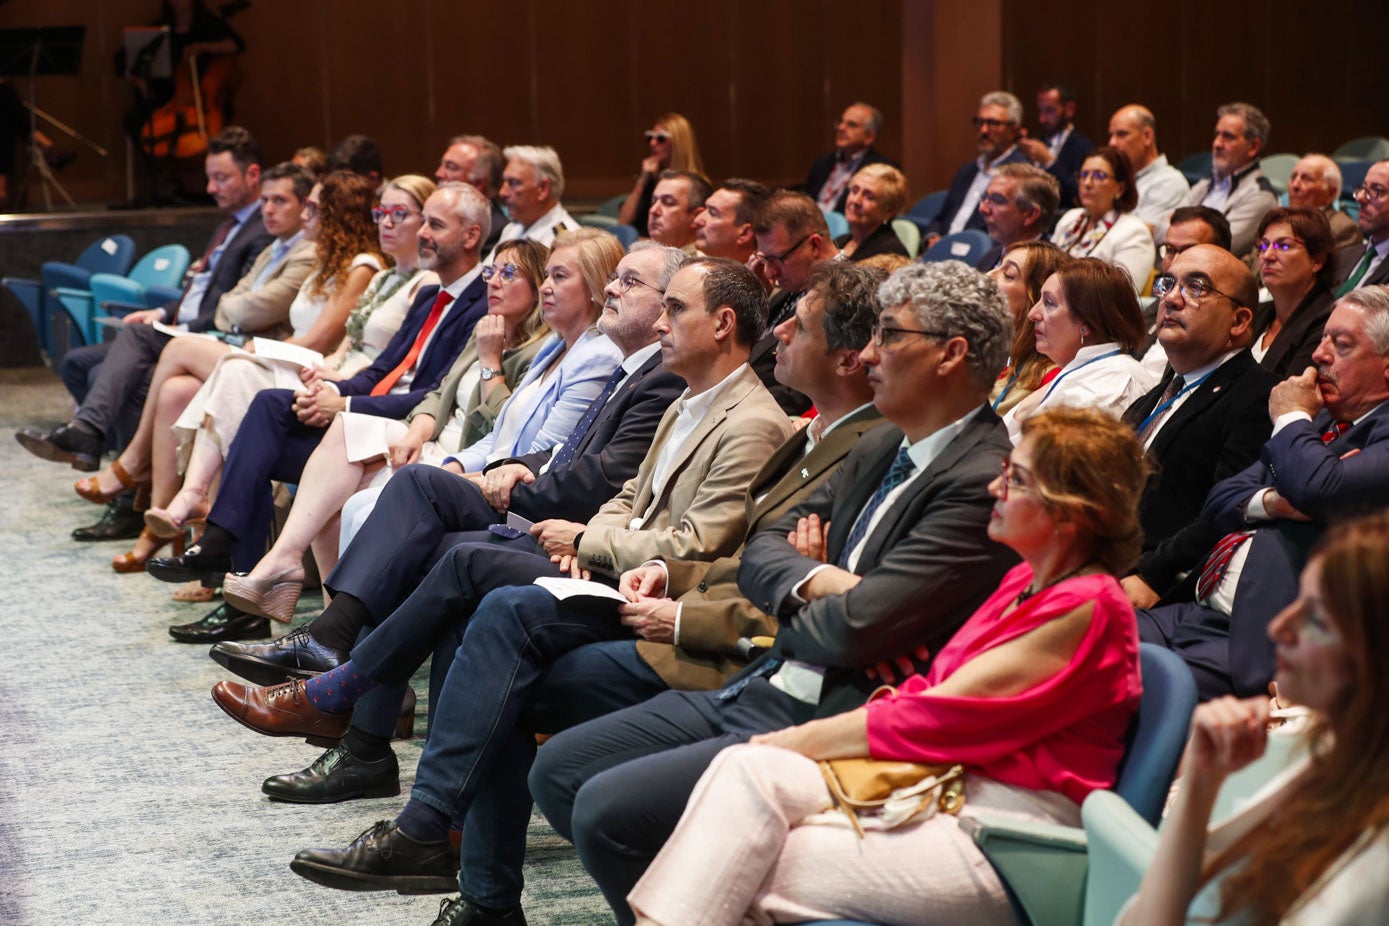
point(459, 912)
point(337, 775)
point(193, 565)
point(223, 623)
point(120, 521)
point(382, 859)
point(294, 655)
point(67, 444)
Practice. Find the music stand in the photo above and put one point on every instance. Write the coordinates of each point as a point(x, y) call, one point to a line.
point(48, 51)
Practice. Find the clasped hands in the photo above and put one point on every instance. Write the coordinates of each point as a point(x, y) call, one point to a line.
point(648, 611)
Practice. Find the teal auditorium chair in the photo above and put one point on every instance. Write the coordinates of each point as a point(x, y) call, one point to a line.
point(969, 245)
point(146, 286)
point(909, 233)
point(1368, 148)
point(1195, 167)
point(1278, 168)
point(612, 206)
point(112, 254)
point(627, 234)
point(837, 223)
point(1043, 865)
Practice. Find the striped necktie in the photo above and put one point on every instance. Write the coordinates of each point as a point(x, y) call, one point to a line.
point(897, 474)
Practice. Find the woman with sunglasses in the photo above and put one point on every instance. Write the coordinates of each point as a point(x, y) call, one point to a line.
point(1032, 696)
point(1313, 846)
point(361, 452)
point(337, 219)
point(1297, 261)
point(670, 145)
point(1104, 225)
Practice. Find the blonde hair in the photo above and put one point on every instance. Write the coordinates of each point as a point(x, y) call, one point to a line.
point(684, 150)
point(895, 193)
point(599, 253)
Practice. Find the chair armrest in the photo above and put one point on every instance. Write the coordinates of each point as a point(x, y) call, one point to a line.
point(1121, 847)
point(1043, 864)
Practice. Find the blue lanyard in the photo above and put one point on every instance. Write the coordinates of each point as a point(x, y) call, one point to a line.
point(1155, 413)
point(1007, 388)
point(1056, 382)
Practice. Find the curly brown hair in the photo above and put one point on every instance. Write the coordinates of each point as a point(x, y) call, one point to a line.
point(345, 229)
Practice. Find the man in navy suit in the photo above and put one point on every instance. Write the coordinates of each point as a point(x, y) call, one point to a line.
point(854, 135)
point(998, 124)
point(1205, 421)
point(282, 428)
point(1326, 460)
point(1061, 149)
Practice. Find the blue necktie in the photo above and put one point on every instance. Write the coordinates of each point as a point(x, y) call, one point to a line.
point(566, 452)
point(900, 470)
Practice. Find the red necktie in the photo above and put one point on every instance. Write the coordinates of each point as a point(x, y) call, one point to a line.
point(201, 265)
point(426, 330)
point(1336, 430)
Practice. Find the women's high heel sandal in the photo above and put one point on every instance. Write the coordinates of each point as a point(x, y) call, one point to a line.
point(135, 562)
point(273, 598)
point(161, 523)
point(89, 487)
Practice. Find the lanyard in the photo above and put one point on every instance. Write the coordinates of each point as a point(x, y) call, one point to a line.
point(1007, 388)
point(1056, 382)
point(1157, 412)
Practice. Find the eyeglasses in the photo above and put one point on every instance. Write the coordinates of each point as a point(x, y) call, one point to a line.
point(628, 280)
point(883, 335)
point(997, 200)
point(1098, 176)
point(508, 272)
point(1282, 245)
point(657, 136)
point(311, 209)
point(1370, 192)
point(979, 122)
point(1012, 479)
point(1193, 289)
point(398, 214)
point(781, 258)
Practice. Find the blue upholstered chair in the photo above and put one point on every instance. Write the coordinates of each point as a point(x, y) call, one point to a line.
point(112, 254)
point(969, 245)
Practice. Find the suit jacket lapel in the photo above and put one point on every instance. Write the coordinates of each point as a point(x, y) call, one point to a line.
point(1206, 395)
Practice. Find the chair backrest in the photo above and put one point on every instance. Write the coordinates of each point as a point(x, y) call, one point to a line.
point(1278, 168)
point(837, 223)
point(1366, 148)
point(1159, 732)
point(909, 234)
point(928, 206)
point(164, 266)
point(969, 245)
point(1196, 166)
point(611, 207)
point(112, 254)
point(596, 220)
point(1352, 175)
point(627, 234)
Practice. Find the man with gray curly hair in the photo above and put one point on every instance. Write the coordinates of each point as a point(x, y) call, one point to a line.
point(868, 578)
point(532, 186)
point(997, 124)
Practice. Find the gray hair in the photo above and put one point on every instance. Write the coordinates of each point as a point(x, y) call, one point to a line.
point(1256, 124)
point(953, 297)
point(1007, 101)
point(672, 259)
point(875, 116)
point(469, 206)
point(489, 163)
point(1374, 302)
point(545, 160)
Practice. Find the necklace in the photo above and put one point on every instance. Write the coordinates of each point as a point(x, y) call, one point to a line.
point(1029, 592)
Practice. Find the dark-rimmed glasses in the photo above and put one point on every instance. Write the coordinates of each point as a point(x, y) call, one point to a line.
point(1193, 289)
point(781, 258)
point(883, 334)
point(398, 214)
point(628, 280)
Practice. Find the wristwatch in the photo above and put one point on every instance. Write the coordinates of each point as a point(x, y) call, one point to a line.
point(489, 373)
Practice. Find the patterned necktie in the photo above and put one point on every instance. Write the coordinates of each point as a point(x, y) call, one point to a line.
point(426, 330)
point(1358, 273)
point(566, 452)
point(897, 474)
point(1336, 429)
point(1218, 563)
point(1156, 416)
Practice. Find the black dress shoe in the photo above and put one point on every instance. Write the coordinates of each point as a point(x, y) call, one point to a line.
point(195, 564)
point(337, 775)
point(459, 912)
point(382, 859)
point(68, 444)
point(120, 521)
point(223, 623)
point(294, 655)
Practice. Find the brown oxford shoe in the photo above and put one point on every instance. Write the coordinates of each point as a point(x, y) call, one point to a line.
point(281, 710)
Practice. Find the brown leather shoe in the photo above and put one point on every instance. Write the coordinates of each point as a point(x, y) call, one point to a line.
point(281, 710)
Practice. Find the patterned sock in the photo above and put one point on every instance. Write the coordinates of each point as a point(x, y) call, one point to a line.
point(335, 692)
point(423, 823)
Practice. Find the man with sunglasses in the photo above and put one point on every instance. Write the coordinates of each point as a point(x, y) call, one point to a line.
point(1205, 420)
point(854, 135)
point(998, 125)
point(1367, 266)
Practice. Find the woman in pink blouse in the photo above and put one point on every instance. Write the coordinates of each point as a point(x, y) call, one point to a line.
point(1033, 696)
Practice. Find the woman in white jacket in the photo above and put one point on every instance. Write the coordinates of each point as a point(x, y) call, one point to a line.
point(1104, 225)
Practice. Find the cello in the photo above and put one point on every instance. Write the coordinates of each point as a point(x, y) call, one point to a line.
point(197, 111)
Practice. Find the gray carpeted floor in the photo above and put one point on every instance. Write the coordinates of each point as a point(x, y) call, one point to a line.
point(126, 796)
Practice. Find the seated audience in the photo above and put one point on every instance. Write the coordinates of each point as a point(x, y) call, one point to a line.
point(1089, 325)
point(1237, 187)
point(1018, 205)
point(1020, 275)
point(1205, 420)
point(1161, 187)
point(478, 160)
point(877, 195)
point(313, 159)
point(1060, 149)
point(998, 125)
point(884, 562)
point(567, 373)
point(1325, 461)
point(854, 135)
point(1297, 257)
point(1265, 863)
point(1104, 226)
point(671, 145)
point(724, 227)
point(1316, 184)
point(1033, 696)
point(1366, 265)
point(532, 185)
point(358, 154)
point(1191, 225)
point(676, 203)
